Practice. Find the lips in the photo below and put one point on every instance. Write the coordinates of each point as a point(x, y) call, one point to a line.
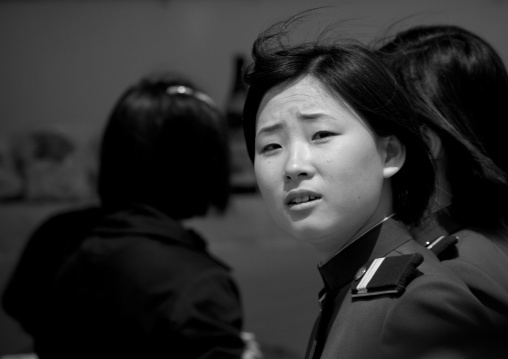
point(301, 197)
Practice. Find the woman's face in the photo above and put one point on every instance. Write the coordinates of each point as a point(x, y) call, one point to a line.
point(320, 169)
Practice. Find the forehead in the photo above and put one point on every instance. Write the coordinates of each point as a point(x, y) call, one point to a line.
point(303, 98)
point(305, 91)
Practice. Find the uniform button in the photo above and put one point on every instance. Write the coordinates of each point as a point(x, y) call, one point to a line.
point(360, 272)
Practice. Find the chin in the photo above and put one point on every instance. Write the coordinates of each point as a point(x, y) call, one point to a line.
point(314, 233)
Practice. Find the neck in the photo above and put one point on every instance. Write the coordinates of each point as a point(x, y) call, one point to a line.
point(443, 194)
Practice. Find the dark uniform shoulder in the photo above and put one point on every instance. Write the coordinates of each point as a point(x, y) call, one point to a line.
point(443, 246)
point(386, 275)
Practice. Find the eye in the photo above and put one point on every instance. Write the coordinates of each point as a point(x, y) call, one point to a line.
point(270, 148)
point(322, 135)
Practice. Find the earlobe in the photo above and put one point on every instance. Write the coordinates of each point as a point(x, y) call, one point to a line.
point(395, 156)
point(433, 142)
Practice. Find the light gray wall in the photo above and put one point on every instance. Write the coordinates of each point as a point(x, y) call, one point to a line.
point(66, 62)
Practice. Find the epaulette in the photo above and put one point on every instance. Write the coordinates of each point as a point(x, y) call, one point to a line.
point(386, 275)
point(441, 244)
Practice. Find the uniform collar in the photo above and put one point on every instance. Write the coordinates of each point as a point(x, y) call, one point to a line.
point(377, 242)
point(438, 224)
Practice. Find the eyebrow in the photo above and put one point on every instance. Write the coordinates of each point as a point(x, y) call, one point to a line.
point(314, 116)
point(270, 128)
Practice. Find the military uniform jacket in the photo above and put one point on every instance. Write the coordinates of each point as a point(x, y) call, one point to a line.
point(430, 314)
point(480, 259)
point(142, 286)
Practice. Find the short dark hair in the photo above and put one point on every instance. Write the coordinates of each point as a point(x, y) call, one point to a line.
point(458, 84)
point(360, 79)
point(165, 148)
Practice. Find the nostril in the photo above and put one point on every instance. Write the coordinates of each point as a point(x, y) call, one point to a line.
point(290, 177)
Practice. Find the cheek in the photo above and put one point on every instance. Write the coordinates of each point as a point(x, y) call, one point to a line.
point(357, 172)
point(370, 179)
point(265, 175)
point(268, 186)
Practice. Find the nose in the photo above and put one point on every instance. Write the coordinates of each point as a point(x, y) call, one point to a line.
point(298, 165)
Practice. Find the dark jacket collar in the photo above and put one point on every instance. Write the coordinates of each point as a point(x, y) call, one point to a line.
point(143, 220)
point(377, 242)
point(440, 223)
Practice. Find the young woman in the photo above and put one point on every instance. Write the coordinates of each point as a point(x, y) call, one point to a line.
point(340, 164)
point(458, 84)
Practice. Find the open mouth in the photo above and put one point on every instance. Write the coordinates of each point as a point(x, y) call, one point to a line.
point(303, 199)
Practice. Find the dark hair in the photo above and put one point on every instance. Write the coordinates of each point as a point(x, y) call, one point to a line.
point(361, 80)
point(165, 145)
point(458, 84)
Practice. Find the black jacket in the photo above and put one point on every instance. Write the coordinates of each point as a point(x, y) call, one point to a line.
point(141, 286)
point(43, 255)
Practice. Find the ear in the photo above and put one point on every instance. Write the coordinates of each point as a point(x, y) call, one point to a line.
point(433, 142)
point(395, 155)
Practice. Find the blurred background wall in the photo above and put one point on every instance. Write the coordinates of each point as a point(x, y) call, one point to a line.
point(64, 63)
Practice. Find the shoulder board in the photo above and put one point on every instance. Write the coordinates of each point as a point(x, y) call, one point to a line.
point(442, 243)
point(386, 275)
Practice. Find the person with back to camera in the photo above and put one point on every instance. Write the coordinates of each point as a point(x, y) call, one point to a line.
point(141, 285)
point(458, 84)
point(341, 166)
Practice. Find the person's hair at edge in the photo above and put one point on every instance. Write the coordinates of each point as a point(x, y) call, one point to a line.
point(458, 84)
point(166, 146)
point(358, 78)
